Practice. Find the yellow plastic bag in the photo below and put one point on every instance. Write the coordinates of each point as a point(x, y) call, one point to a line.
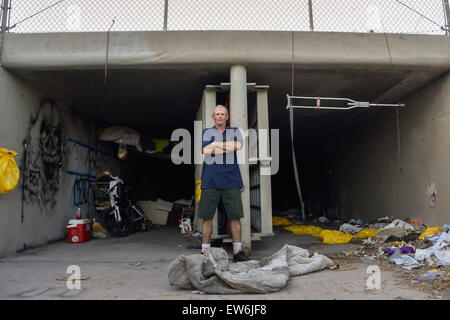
point(335, 237)
point(9, 171)
point(280, 221)
point(96, 226)
point(430, 231)
point(366, 233)
point(301, 229)
point(198, 190)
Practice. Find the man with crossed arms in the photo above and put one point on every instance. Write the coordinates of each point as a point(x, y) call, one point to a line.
point(221, 180)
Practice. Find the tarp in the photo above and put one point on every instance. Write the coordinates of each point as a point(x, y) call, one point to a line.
point(212, 273)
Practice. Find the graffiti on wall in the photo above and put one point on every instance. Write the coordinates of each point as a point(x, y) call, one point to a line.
point(43, 157)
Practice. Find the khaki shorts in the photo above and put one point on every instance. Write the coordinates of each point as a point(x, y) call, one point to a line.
point(231, 199)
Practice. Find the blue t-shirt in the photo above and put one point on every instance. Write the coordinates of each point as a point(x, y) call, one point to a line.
point(221, 171)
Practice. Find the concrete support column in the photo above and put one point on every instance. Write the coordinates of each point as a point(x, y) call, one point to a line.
point(239, 118)
point(262, 106)
point(205, 115)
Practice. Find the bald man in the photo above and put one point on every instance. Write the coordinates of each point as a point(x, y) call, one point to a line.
point(221, 180)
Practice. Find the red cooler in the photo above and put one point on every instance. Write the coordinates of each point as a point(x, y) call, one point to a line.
point(79, 230)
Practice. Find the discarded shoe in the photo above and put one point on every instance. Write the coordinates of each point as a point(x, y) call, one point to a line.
point(240, 256)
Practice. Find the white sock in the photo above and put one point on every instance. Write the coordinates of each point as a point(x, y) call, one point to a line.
point(205, 246)
point(237, 246)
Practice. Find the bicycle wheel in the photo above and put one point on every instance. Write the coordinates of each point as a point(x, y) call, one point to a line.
point(141, 220)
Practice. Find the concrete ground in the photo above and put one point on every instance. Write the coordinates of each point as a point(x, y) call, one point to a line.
point(135, 267)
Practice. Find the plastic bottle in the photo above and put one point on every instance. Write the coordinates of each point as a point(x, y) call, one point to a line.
point(78, 213)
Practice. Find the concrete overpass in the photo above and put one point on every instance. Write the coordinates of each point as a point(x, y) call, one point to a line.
point(382, 160)
point(162, 74)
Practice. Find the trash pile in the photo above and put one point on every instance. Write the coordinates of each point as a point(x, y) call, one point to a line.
point(345, 234)
point(391, 242)
point(409, 244)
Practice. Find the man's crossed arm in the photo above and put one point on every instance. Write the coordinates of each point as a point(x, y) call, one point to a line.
point(221, 147)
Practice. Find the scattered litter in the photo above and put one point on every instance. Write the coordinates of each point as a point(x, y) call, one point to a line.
point(397, 223)
point(302, 229)
point(369, 260)
point(366, 233)
point(335, 237)
point(370, 241)
point(430, 231)
point(377, 225)
point(136, 264)
point(439, 253)
point(99, 235)
point(413, 266)
point(352, 253)
point(407, 238)
point(98, 231)
point(349, 228)
point(407, 249)
point(324, 219)
point(428, 276)
point(404, 259)
point(354, 221)
point(197, 292)
point(386, 232)
point(280, 221)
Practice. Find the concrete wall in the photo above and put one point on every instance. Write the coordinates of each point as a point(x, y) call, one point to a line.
point(389, 165)
point(37, 210)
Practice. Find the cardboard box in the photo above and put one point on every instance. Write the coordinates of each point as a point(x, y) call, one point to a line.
point(155, 216)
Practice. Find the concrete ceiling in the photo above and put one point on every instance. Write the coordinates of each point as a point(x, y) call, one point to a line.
point(155, 79)
point(157, 100)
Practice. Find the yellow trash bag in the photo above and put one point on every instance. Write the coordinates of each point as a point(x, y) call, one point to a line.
point(366, 233)
point(9, 171)
point(280, 221)
point(301, 229)
point(335, 237)
point(96, 226)
point(430, 231)
point(198, 190)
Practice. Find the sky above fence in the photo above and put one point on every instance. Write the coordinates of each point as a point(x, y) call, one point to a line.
point(391, 16)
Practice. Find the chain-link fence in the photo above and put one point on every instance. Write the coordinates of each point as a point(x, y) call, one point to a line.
point(390, 16)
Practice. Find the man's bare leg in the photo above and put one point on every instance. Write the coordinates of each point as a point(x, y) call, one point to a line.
point(206, 234)
point(237, 245)
point(236, 230)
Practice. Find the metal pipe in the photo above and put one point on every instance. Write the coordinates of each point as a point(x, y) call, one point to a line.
point(9, 13)
point(311, 22)
point(4, 15)
point(166, 9)
point(447, 15)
